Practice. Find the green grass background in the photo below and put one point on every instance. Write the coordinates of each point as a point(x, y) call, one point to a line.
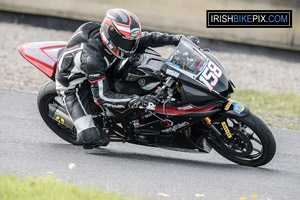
point(49, 188)
point(276, 109)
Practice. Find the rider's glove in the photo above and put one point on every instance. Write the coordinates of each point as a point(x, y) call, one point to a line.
point(194, 39)
point(143, 101)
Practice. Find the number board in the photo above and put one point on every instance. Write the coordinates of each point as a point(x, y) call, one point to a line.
point(210, 75)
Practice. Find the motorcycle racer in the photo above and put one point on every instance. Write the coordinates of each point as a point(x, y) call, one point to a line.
point(81, 69)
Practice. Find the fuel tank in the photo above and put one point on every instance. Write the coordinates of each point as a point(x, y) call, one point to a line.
point(140, 74)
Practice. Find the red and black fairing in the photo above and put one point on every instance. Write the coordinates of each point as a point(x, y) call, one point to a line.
point(173, 119)
point(43, 55)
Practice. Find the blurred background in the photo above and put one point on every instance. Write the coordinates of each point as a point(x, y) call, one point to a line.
point(176, 16)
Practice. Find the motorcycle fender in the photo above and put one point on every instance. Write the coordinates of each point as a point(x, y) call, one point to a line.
point(234, 108)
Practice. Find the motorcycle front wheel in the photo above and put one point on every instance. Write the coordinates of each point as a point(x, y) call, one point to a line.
point(248, 142)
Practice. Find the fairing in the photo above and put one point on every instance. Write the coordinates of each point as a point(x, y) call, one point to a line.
point(141, 72)
point(202, 77)
point(43, 55)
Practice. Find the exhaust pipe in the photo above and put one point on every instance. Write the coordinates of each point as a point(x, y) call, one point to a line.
point(60, 116)
point(116, 139)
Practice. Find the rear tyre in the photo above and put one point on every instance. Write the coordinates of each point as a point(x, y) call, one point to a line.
point(48, 95)
point(252, 142)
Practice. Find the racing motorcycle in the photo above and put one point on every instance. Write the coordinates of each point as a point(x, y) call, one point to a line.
point(197, 113)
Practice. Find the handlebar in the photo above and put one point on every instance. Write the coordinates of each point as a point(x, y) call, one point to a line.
point(159, 92)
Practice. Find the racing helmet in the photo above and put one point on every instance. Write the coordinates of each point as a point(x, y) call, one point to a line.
point(120, 32)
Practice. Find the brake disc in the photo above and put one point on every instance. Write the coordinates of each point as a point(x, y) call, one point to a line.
point(240, 145)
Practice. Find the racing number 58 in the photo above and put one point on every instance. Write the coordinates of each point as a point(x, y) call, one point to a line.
point(211, 72)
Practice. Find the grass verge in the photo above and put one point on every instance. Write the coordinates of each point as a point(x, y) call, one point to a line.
point(275, 109)
point(13, 188)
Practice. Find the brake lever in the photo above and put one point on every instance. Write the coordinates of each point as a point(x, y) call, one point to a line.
point(169, 97)
point(151, 106)
point(159, 92)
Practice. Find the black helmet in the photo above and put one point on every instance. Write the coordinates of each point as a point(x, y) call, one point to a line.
point(120, 32)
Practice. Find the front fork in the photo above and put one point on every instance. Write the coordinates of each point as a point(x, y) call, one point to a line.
point(231, 108)
point(207, 120)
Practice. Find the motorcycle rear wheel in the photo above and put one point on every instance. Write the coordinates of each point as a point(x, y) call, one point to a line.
point(252, 143)
point(48, 95)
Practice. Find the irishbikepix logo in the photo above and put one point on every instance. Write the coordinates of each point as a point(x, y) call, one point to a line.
point(249, 19)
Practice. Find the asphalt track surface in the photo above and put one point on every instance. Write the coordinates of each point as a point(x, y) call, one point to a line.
point(27, 146)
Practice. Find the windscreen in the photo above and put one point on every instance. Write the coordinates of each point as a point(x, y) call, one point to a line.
point(187, 58)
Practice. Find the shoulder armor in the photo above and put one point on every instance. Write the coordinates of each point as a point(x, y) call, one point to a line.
point(82, 34)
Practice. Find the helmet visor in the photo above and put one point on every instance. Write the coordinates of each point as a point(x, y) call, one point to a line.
point(125, 44)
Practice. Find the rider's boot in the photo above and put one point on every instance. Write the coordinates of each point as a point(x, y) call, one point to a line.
point(92, 137)
point(104, 138)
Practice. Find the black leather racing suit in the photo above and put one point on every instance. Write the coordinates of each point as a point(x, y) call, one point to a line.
point(81, 69)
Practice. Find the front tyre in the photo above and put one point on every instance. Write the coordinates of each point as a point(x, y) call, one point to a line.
point(251, 142)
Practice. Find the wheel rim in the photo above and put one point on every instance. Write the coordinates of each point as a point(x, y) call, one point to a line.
point(244, 145)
